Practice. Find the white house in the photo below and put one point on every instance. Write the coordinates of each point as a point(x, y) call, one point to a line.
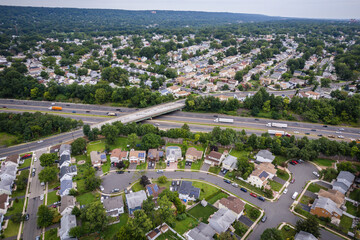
point(265, 156)
point(114, 206)
point(230, 163)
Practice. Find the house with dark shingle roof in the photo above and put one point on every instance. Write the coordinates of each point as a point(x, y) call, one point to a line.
point(304, 236)
point(188, 192)
point(214, 158)
point(343, 181)
point(64, 160)
point(325, 207)
point(201, 232)
point(67, 204)
point(153, 155)
point(114, 206)
point(4, 203)
point(67, 170)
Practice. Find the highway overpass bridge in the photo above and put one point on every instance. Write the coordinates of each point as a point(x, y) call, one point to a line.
point(145, 114)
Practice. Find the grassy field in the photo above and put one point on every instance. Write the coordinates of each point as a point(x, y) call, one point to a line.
point(182, 226)
point(202, 213)
point(315, 188)
point(345, 223)
point(306, 200)
point(52, 234)
point(111, 231)
point(324, 162)
point(17, 207)
point(52, 197)
point(142, 166)
point(181, 164)
point(166, 185)
point(288, 232)
point(137, 187)
point(355, 195)
point(196, 165)
point(350, 208)
point(214, 169)
point(160, 165)
point(12, 229)
point(282, 174)
point(275, 185)
point(239, 154)
point(99, 145)
point(86, 198)
point(7, 139)
point(27, 163)
point(205, 189)
point(218, 196)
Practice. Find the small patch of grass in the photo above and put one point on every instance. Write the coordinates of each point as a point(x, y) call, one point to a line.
point(217, 197)
point(27, 163)
point(239, 154)
point(205, 189)
point(12, 229)
point(52, 234)
point(275, 185)
point(181, 164)
point(52, 197)
point(111, 231)
point(279, 160)
point(196, 165)
point(214, 169)
point(240, 228)
point(86, 198)
point(350, 208)
point(345, 223)
point(168, 235)
point(106, 166)
point(202, 213)
point(355, 195)
point(324, 162)
point(282, 174)
point(17, 192)
point(288, 232)
point(141, 166)
point(54, 184)
point(315, 188)
point(137, 187)
point(17, 207)
point(183, 226)
point(252, 212)
point(166, 185)
point(306, 200)
point(160, 165)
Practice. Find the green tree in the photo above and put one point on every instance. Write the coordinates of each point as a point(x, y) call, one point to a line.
point(48, 174)
point(162, 179)
point(310, 225)
point(110, 132)
point(132, 139)
point(144, 180)
point(166, 212)
point(272, 234)
point(92, 182)
point(226, 236)
point(86, 129)
point(101, 95)
point(151, 140)
point(138, 226)
point(45, 216)
point(78, 146)
point(94, 217)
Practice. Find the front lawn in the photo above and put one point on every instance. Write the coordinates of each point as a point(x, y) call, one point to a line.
point(355, 195)
point(12, 229)
point(205, 189)
point(282, 174)
point(252, 212)
point(214, 169)
point(184, 225)
point(275, 185)
point(106, 166)
point(288, 232)
point(27, 163)
point(202, 213)
point(240, 228)
point(141, 166)
point(196, 165)
point(111, 231)
point(137, 187)
point(350, 208)
point(181, 164)
point(160, 165)
point(52, 197)
point(324, 162)
point(52, 234)
point(306, 200)
point(315, 188)
point(345, 223)
point(86, 198)
point(17, 207)
point(217, 197)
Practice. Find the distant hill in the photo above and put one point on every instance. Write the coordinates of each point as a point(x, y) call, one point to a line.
point(44, 20)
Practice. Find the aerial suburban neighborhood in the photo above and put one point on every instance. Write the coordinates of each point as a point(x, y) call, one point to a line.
point(158, 124)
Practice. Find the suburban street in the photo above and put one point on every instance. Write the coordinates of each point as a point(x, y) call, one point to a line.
point(276, 212)
point(30, 226)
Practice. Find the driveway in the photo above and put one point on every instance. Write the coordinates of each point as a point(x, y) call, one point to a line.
point(172, 166)
point(132, 165)
point(279, 180)
point(205, 167)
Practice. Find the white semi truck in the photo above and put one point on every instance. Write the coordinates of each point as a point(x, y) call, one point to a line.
point(278, 125)
point(278, 133)
point(224, 120)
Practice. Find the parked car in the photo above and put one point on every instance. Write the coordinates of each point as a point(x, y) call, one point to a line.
point(235, 185)
point(292, 163)
point(56, 188)
point(159, 171)
point(35, 159)
point(316, 174)
point(102, 188)
point(253, 195)
point(320, 135)
point(26, 217)
point(225, 171)
point(331, 136)
point(314, 130)
point(243, 189)
point(263, 218)
point(119, 172)
point(115, 190)
point(325, 126)
point(227, 181)
point(307, 133)
point(292, 180)
point(73, 111)
point(285, 191)
point(41, 141)
point(341, 129)
point(261, 198)
point(42, 197)
point(256, 119)
point(340, 136)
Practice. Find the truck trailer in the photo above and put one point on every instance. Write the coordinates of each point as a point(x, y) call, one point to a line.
point(278, 125)
point(224, 120)
point(55, 108)
point(278, 133)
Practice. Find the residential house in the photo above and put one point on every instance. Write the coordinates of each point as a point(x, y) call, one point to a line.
point(221, 220)
point(65, 149)
point(173, 153)
point(64, 160)
point(234, 204)
point(137, 156)
point(334, 195)
point(230, 163)
point(70, 171)
point(134, 200)
point(65, 186)
point(68, 221)
point(188, 192)
point(67, 204)
point(304, 236)
point(313, 95)
point(153, 155)
point(114, 206)
point(343, 181)
point(181, 94)
point(97, 158)
point(7, 177)
point(154, 190)
point(117, 155)
point(214, 158)
point(174, 89)
point(13, 158)
point(261, 174)
point(264, 156)
point(201, 232)
point(4, 203)
point(325, 207)
point(192, 155)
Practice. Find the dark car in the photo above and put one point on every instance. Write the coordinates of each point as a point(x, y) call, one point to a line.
point(119, 172)
point(87, 111)
point(243, 189)
point(307, 133)
point(261, 198)
point(263, 218)
point(26, 217)
point(292, 181)
point(227, 181)
point(292, 163)
point(314, 130)
point(68, 105)
point(56, 188)
point(4, 106)
point(256, 119)
point(320, 135)
point(324, 126)
point(73, 111)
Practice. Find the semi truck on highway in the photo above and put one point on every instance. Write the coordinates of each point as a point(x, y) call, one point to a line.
point(55, 108)
point(278, 133)
point(278, 125)
point(224, 120)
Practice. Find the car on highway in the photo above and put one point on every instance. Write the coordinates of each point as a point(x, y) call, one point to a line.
point(314, 130)
point(87, 111)
point(73, 111)
point(285, 191)
point(292, 180)
point(341, 129)
point(263, 219)
point(253, 195)
point(243, 189)
point(320, 135)
point(325, 126)
point(256, 119)
point(227, 181)
point(4, 106)
point(316, 174)
point(331, 136)
point(296, 132)
point(157, 124)
point(37, 238)
point(340, 136)
point(41, 141)
point(338, 132)
point(307, 133)
point(159, 171)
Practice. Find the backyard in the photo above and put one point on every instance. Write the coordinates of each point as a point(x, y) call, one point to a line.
point(350, 208)
point(86, 198)
point(52, 234)
point(355, 195)
point(345, 223)
point(202, 213)
point(252, 212)
point(217, 197)
point(184, 225)
point(306, 200)
point(18, 192)
point(112, 230)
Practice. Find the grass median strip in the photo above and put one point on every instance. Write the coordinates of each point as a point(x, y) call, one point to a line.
point(57, 113)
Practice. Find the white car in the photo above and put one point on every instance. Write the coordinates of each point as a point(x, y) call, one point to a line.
point(157, 124)
point(102, 188)
point(340, 136)
point(296, 132)
point(40, 141)
point(42, 197)
point(341, 129)
point(285, 191)
point(35, 159)
point(316, 174)
point(338, 132)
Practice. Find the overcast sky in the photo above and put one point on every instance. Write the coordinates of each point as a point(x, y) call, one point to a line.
point(343, 9)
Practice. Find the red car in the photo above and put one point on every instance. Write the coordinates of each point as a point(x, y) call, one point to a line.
point(292, 181)
point(253, 195)
point(295, 162)
point(53, 206)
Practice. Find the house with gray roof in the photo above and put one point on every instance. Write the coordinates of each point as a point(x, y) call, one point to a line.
point(265, 156)
point(68, 221)
point(65, 149)
point(188, 192)
point(222, 220)
point(67, 204)
point(304, 236)
point(114, 206)
point(7, 177)
point(325, 207)
point(64, 160)
point(65, 186)
point(230, 163)
point(343, 181)
point(67, 170)
point(201, 232)
point(134, 200)
point(173, 153)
